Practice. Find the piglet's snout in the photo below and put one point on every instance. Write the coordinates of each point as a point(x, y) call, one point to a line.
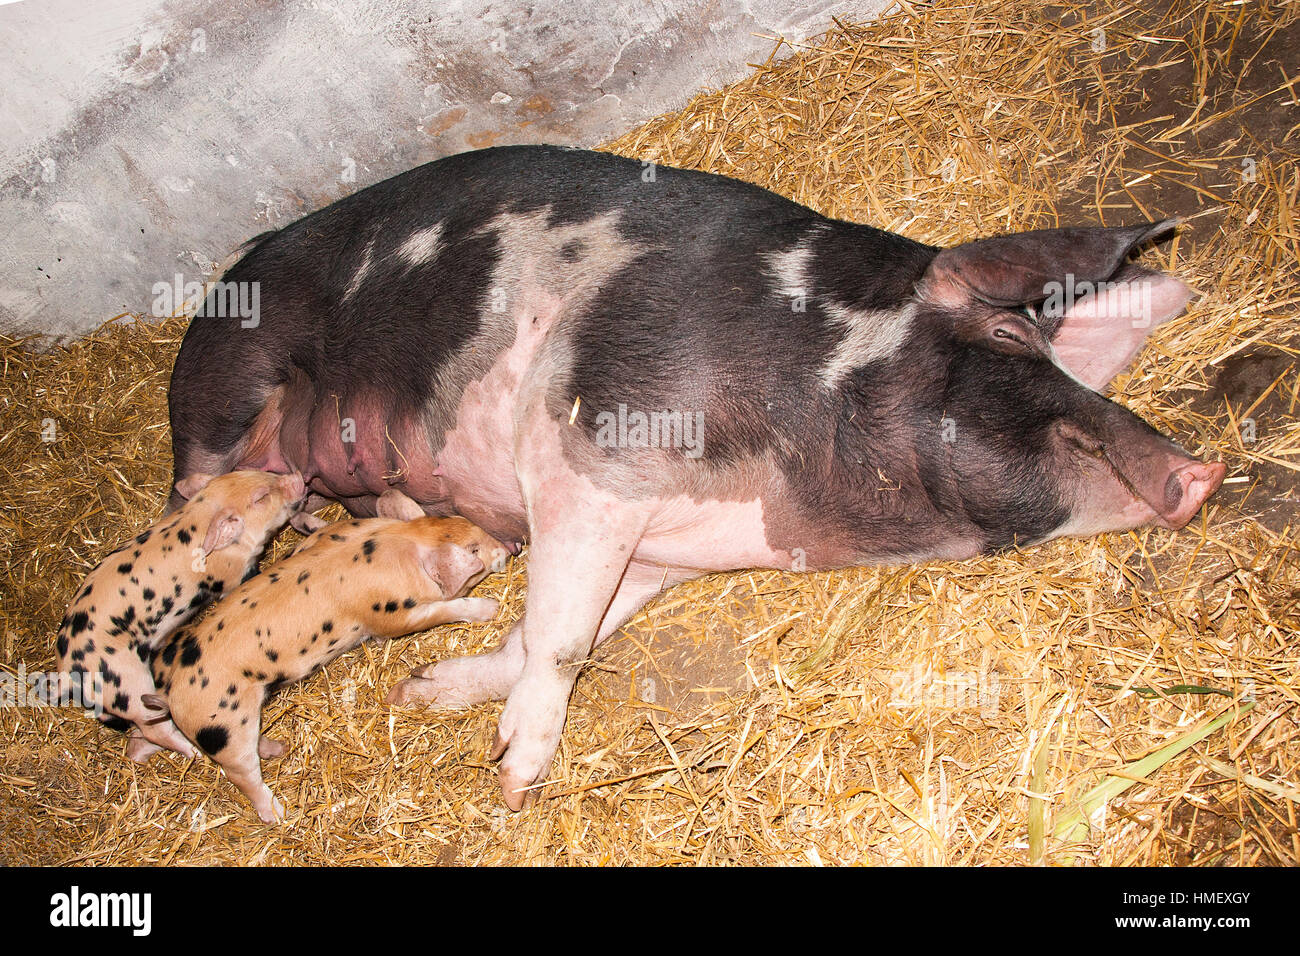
point(293, 487)
point(493, 553)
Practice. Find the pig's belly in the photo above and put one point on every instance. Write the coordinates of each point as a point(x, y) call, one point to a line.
point(709, 536)
point(476, 465)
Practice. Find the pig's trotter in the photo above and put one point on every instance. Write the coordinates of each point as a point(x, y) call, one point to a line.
point(465, 681)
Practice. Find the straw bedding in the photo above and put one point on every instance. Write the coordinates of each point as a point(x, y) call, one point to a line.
point(957, 713)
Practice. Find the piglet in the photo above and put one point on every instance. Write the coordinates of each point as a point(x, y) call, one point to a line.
point(379, 577)
point(142, 592)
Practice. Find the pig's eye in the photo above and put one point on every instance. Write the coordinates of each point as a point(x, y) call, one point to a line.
point(1001, 332)
point(261, 496)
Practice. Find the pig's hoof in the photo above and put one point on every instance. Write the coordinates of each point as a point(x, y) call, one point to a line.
point(513, 790)
point(515, 782)
point(268, 748)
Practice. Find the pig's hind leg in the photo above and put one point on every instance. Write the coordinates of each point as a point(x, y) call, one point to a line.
point(233, 740)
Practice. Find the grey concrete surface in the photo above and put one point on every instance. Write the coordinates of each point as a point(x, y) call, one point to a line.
point(141, 140)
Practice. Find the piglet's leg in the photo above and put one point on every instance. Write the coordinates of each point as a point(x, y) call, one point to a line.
point(577, 559)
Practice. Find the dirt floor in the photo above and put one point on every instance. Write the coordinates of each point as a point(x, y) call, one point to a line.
point(1058, 706)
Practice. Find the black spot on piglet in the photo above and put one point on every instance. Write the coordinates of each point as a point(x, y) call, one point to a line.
point(212, 739)
point(190, 652)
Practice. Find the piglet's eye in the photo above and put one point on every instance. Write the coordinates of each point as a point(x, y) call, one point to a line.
point(261, 496)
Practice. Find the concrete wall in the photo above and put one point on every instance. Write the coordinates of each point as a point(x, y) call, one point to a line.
point(140, 139)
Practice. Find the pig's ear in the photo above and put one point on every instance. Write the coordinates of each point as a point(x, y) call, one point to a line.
point(393, 504)
point(1020, 268)
point(1098, 333)
point(191, 485)
point(226, 527)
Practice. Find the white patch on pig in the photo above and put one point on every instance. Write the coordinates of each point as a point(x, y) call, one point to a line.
point(539, 287)
point(789, 267)
point(870, 335)
point(422, 246)
point(358, 277)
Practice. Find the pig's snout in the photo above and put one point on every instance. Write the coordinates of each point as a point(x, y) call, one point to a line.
point(1187, 488)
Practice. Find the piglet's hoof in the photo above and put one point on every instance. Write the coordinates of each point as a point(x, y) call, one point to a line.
point(269, 748)
point(140, 750)
point(268, 806)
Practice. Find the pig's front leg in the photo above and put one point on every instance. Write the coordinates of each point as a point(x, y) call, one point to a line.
point(476, 678)
point(579, 552)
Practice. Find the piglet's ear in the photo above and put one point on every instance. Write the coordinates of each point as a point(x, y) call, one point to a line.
point(1100, 329)
point(453, 567)
point(191, 485)
point(1018, 269)
point(226, 527)
point(394, 504)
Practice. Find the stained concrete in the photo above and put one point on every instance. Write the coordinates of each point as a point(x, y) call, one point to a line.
point(142, 139)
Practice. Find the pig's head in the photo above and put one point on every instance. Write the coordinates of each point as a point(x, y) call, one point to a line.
point(247, 507)
point(1027, 329)
point(454, 552)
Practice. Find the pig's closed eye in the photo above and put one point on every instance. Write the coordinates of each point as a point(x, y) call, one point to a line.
point(1002, 332)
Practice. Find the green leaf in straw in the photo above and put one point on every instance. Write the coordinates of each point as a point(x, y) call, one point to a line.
point(1073, 827)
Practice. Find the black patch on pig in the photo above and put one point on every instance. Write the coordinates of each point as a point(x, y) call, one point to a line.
point(212, 739)
point(124, 568)
point(78, 623)
point(121, 701)
point(190, 652)
point(113, 722)
point(183, 536)
point(124, 620)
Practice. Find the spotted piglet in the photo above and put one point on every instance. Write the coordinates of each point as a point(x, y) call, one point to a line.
point(372, 578)
point(137, 596)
